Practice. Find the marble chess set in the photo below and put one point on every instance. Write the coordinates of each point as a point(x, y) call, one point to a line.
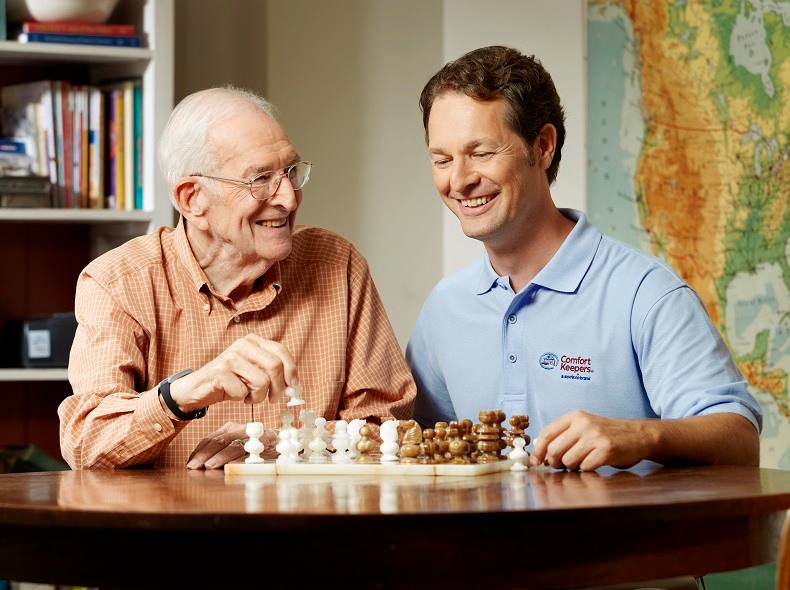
point(456, 448)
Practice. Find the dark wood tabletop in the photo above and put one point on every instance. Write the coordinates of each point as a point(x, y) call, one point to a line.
point(536, 529)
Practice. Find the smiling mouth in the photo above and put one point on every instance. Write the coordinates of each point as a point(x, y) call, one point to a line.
point(476, 202)
point(273, 222)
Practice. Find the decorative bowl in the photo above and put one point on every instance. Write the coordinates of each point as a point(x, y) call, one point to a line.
point(74, 11)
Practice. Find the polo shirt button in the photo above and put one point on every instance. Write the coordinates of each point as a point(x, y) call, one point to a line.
point(512, 358)
point(157, 427)
point(512, 319)
point(206, 307)
point(236, 319)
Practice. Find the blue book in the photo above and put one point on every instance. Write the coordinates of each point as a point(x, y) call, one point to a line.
point(106, 40)
point(138, 145)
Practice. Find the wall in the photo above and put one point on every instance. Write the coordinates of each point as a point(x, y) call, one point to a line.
point(555, 33)
point(346, 76)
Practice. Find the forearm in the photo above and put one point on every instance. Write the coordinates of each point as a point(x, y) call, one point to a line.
point(117, 431)
point(722, 438)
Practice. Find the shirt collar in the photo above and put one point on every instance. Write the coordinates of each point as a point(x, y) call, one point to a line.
point(566, 269)
point(198, 277)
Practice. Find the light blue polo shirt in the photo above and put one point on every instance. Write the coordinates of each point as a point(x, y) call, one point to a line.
point(604, 328)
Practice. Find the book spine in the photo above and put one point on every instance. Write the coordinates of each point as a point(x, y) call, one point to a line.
point(138, 145)
point(120, 150)
point(111, 150)
point(78, 29)
point(106, 40)
point(96, 151)
point(128, 149)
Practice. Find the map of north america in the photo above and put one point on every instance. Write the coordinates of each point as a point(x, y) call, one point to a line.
point(689, 145)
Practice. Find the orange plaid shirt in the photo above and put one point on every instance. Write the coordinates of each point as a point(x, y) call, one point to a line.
point(146, 311)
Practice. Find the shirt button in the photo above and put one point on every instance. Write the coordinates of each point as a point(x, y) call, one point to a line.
point(512, 319)
point(158, 427)
point(206, 307)
point(512, 358)
point(236, 319)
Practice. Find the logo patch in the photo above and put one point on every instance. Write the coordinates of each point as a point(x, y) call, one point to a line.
point(549, 361)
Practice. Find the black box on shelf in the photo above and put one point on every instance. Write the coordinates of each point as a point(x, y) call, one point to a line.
point(42, 341)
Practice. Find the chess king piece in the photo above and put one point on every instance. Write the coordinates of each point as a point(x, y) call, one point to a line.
point(518, 455)
point(295, 395)
point(254, 446)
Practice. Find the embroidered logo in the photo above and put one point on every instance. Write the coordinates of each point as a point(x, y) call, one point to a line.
point(571, 367)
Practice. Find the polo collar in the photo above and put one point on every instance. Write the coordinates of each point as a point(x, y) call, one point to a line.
point(566, 269)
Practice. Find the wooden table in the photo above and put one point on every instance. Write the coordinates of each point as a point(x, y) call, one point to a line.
point(535, 529)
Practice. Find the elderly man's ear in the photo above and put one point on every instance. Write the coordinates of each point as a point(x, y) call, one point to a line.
point(191, 200)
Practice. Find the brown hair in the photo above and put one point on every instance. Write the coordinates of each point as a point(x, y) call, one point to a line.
point(495, 72)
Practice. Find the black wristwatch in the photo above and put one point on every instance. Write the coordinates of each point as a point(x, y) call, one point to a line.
point(164, 389)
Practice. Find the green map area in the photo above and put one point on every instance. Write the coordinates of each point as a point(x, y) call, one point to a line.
point(688, 150)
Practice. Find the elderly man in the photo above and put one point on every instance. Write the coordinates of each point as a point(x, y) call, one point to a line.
point(187, 334)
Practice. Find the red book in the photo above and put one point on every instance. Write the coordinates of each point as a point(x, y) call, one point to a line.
point(78, 29)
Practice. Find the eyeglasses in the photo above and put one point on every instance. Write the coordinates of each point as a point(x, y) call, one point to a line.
point(265, 185)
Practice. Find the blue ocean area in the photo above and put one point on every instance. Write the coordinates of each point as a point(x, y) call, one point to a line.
point(613, 143)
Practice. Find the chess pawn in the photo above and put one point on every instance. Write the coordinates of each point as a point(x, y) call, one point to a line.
point(307, 418)
point(318, 446)
point(341, 442)
point(295, 395)
point(254, 446)
point(389, 445)
point(320, 427)
point(365, 445)
point(518, 455)
point(285, 447)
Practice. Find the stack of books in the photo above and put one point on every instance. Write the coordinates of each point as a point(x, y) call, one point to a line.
point(113, 35)
point(25, 191)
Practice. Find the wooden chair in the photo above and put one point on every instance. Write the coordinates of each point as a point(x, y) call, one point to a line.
point(783, 557)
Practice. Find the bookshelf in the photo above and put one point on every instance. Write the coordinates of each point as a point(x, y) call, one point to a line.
point(42, 251)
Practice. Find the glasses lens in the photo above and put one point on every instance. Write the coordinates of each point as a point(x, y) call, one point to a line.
point(299, 174)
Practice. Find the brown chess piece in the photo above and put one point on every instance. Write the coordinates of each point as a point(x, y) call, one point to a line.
point(412, 441)
point(365, 446)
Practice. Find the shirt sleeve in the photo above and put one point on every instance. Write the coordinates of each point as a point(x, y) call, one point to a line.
point(107, 360)
point(433, 403)
point(687, 367)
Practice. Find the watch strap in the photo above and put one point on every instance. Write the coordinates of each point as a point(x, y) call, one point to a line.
point(164, 390)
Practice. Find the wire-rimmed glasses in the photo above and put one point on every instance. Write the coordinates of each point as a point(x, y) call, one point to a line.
point(264, 185)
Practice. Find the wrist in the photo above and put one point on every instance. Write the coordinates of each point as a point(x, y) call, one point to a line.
point(172, 407)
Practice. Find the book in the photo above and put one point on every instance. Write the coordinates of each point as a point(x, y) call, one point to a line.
point(138, 145)
point(24, 184)
point(107, 40)
point(96, 139)
point(70, 28)
point(128, 144)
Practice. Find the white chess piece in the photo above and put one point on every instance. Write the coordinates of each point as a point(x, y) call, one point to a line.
point(254, 446)
point(308, 425)
point(285, 447)
point(320, 427)
point(341, 442)
point(318, 446)
point(295, 395)
point(518, 455)
point(389, 445)
point(353, 433)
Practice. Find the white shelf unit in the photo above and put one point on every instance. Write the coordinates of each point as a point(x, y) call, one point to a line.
point(154, 63)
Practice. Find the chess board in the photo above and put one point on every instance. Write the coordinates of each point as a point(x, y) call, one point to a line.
point(374, 468)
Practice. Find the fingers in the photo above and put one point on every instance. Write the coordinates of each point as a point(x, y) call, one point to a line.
point(250, 370)
point(221, 447)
